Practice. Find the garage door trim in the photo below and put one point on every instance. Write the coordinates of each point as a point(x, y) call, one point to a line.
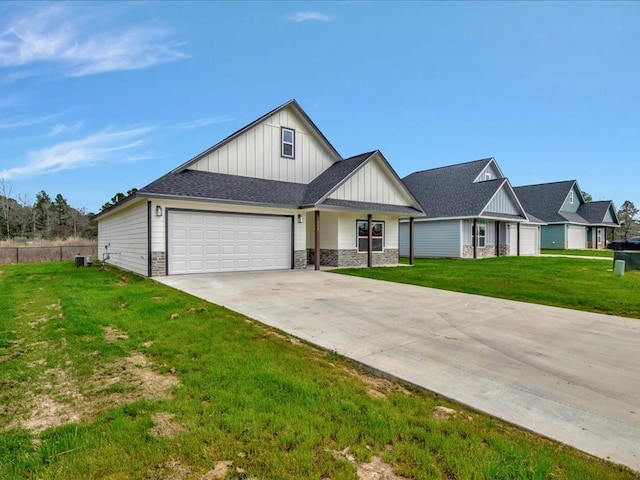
point(169, 210)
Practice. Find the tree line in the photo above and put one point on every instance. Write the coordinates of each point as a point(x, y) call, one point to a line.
point(48, 218)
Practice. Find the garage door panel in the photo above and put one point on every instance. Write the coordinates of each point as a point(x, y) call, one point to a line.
point(215, 242)
point(528, 241)
point(576, 237)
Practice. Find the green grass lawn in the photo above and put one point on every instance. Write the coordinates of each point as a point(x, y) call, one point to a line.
point(107, 375)
point(576, 283)
point(605, 253)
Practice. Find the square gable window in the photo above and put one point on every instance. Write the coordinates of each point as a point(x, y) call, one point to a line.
point(288, 137)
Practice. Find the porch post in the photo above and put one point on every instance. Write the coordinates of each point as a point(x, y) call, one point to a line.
point(474, 237)
point(369, 241)
point(497, 239)
point(518, 232)
point(411, 234)
point(316, 256)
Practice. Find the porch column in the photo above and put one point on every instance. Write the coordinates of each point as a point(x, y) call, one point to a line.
point(369, 241)
point(316, 256)
point(411, 234)
point(518, 233)
point(497, 239)
point(474, 238)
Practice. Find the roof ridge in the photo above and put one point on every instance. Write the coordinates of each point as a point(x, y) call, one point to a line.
point(454, 165)
point(547, 183)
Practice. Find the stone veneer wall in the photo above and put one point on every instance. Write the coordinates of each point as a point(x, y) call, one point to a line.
point(352, 258)
point(484, 252)
point(158, 264)
point(300, 259)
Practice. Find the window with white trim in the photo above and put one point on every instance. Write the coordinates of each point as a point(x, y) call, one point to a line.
point(571, 197)
point(377, 235)
point(288, 137)
point(481, 235)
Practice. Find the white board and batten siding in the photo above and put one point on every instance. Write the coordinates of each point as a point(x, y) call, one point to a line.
point(503, 202)
point(256, 152)
point(372, 184)
point(125, 235)
point(432, 239)
point(206, 242)
point(490, 172)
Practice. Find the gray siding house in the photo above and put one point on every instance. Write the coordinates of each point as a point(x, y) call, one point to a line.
point(471, 211)
point(273, 195)
point(570, 222)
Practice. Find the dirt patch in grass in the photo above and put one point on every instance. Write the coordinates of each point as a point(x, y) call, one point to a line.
point(112, 335)
point(164, 426)
point(376, 469)
point(378, 387)
point(175, 470)
point(57, 398)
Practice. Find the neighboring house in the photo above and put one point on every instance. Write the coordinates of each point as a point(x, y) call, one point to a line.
point(273, 195)
point(570, 222)
point(471, 211)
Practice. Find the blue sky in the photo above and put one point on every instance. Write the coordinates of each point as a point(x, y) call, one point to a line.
point(98, 98)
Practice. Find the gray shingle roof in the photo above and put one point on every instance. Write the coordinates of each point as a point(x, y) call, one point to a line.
point(193, 184)
point(199, 185)
point(450, 192)
point(332, 176)
point(595, 213)
point(545, 200)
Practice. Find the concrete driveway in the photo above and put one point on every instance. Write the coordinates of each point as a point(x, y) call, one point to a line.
point(569, 375)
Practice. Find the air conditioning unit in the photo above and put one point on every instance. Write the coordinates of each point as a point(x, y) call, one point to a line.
point(84, 261)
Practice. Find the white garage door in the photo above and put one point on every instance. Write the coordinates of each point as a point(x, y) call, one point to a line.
point(528, 240)
point(201, 242)
point(576, 237)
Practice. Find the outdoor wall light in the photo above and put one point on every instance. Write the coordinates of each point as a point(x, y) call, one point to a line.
point(300, 219)
point(158, 211)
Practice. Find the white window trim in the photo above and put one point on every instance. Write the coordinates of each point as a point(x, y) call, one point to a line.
point(283, 142)
point(358, 236)
point(483, 237)
point(571, 197)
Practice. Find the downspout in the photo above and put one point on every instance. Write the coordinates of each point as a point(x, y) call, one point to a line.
point(149, 261)
point(518, 233)
point(411, 236)
point(473, 237)
point(369, 241)
point(316, 258)
point(497, 239)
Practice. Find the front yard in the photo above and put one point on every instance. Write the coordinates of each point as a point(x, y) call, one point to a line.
point(578, 283)
point(107, 375)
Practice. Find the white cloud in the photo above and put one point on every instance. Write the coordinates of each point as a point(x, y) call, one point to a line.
point(203, 122)
point(60, 128)
point(306, 16)
point(57, 34)
point(24, 121)
point(102, 147)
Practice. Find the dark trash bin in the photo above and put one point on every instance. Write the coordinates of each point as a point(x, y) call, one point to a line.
point(631, 259)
